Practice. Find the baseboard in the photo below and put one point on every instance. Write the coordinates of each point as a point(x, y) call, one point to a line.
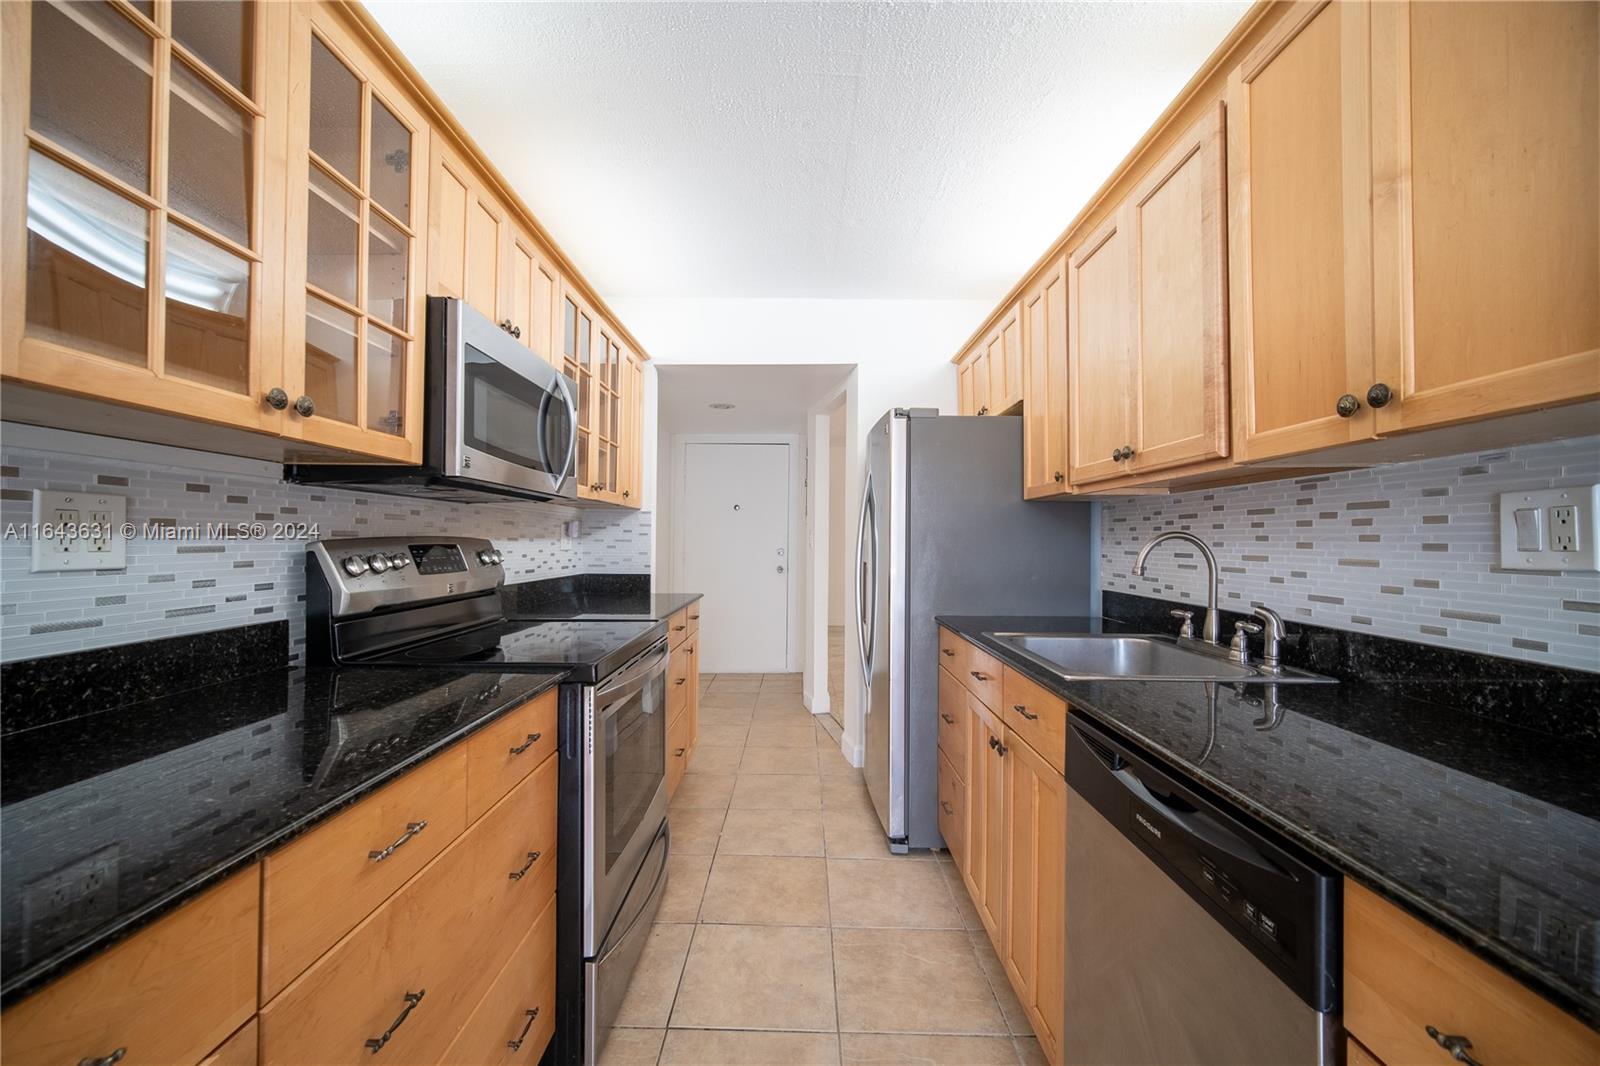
point(854, 753)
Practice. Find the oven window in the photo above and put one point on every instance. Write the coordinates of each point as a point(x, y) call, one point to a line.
point(636, 761)
point(511, 418)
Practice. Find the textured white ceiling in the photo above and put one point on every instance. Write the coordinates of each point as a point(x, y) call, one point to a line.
point(767, 399)
point(855, 150)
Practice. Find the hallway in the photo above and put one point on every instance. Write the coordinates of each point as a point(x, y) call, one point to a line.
point(789, 932)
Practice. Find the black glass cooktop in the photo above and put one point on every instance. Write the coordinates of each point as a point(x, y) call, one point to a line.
point(589, 649)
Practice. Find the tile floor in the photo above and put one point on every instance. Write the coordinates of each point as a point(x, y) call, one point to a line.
point(789, 932)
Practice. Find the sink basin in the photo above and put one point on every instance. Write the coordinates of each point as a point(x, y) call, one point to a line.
point(1080, 657)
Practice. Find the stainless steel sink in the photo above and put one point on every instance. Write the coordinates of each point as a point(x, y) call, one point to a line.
point(1081, 657)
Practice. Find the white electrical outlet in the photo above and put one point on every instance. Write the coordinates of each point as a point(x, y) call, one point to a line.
point(1550, 529)
point(79, 531)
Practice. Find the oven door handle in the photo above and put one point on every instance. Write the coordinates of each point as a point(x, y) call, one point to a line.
point(617, 691)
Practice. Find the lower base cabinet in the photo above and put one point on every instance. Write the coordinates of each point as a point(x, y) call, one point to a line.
point(1035, 912)
point(516, 1017)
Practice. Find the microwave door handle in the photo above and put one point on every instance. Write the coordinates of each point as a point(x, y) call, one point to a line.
point(566, 470)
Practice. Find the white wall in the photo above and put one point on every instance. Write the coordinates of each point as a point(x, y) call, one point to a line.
point(837, 612)
point(901, 349)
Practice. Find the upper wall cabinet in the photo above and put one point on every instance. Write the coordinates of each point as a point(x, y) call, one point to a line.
point(1044, 384)
point(1415, 227)
point(989, 378)
point(141, 212)
point(468, 237)
point(357, 194)
point(533, 304)
point(1100, 345)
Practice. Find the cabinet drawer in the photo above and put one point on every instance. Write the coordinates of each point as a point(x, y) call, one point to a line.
point(1400, 977)
point(983, 677)
point(516, 1017)
point(953, 722)
point(318, 887)
point(506, 750)
point(1037, 716)
point(953, 654)
point(952, 809)
point(677, 750)
point(444, 936)
point(238, 1050)
point(170, 993)
point(678, 628)
point(694, 618)
point(680, 678)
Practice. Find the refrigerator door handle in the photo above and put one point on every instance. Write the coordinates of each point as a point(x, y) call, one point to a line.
point(865, 581)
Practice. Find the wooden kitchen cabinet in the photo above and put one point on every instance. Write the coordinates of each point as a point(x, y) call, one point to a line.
point(989, 379)
point(985, 872)
point(1035, 915)
point(533, 303)
point(972, 383)
point(1044, 384)
point(1102, 361)
point(632, 434)
point(469, 237)
point(354, 309)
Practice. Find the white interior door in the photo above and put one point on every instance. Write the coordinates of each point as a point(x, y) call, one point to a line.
point(735, 535)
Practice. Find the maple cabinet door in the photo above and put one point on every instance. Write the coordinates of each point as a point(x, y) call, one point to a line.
point(1044, 389)
point(1102, 354)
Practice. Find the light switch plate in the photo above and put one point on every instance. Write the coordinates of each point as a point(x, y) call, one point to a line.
point(85, 531)
point(1560, 521)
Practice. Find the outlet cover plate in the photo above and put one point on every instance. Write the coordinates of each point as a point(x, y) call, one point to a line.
point(86, 530)
point(1584, 502)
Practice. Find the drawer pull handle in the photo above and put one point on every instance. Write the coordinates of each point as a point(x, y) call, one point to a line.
point(533, 738)
point(412, 829)
point(679, 629)
point(375, 1044)
point(680, 680)
point(516, 1045)
point(948, 651)
point(533, 857)
point(679, 753)
point(947, 808)
point(947, 719)
point(980, 677)
point(1020, 709)
point(1456, 1044)
point(105, 1060)
point(999, 748)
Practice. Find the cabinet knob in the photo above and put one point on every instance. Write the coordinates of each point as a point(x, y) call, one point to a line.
point(305, 407)
point(1379, 395)
point(1116, 456)
point(277, 399)
point(626, 494)
point(1347, 405)
point(516, 331)
point(984, 409)
point(1059, 477)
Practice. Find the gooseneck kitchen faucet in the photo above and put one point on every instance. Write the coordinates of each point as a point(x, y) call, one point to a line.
point(1208, 632)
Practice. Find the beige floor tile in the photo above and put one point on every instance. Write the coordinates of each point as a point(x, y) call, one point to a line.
point(909, 980)
point(999, 983)
point(704, 790)
point(781, 696)
point(842, 792)
point(711, 759)
point(889, 893)
point(1029, 1053)
point(632, 1047)
point(655, 978)
point(686, 883)
point(787, 711)
point(970, 919)
point(715, 698)
point(778, 761)
point(723, 736)
point(725, 716)
point(857, 834)
point(770, 734)
point(830, 760)
point(758, 977)
point(783, 792)
point(695, 830)
point(781, 677)
point(736, 683)
point(766, 890)
point(920, 1049)
point(765, 832)
point(736, 1047)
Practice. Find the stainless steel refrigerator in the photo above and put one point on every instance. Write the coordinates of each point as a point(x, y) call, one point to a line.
point(944, 530)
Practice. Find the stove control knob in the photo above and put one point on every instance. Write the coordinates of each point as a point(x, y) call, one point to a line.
point(485, 556)
point(379, 563)
point(399, 560)
point(354, 565)
point(497, 556)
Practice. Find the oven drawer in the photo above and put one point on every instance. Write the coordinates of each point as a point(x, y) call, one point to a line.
point(318, 887)
point(516, 1017)
point(506, 750)
point(677, 751)
point(201, 956)
point(444, 936)
point(678, 628)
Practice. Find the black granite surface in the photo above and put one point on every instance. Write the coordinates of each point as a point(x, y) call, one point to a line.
point(1487, 831)
point(108, 820)
point(620, 597)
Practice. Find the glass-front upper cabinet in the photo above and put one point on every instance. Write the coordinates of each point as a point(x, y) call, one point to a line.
point(354, 308)
point(140, 232)
point(582, 357)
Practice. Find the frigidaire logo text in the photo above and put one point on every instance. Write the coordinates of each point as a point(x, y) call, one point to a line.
point(1144, 822)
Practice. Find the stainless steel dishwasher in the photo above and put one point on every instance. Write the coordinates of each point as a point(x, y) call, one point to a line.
point(1193, 934)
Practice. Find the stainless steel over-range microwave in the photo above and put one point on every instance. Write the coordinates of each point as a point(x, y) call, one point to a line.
point(499, 421)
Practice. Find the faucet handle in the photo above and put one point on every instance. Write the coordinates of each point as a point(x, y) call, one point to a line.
point(1188, 622)
point(1239, 647)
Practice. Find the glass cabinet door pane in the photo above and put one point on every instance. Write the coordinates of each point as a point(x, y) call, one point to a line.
point(390, 166)
point(585, 349)
point(208, 312)
point(335, 112)
point(333, 235)
point(209, 158)
point(386, 382)
point(88, 252)
point(90, 86)
point(331, 360)
point(388, 253)
point(569, 332)
point(221, 33)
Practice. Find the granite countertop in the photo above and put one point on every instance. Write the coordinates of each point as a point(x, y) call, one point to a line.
point(1487, 832)
point(594, 596)
point(152, 802)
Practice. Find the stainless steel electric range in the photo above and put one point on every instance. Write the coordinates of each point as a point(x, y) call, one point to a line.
point(420, 601)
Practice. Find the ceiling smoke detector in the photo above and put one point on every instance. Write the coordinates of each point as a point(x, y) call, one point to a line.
point(720, 406)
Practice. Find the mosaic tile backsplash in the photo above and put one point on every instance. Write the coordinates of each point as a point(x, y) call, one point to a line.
point(1409, 550)
point(177, 587)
